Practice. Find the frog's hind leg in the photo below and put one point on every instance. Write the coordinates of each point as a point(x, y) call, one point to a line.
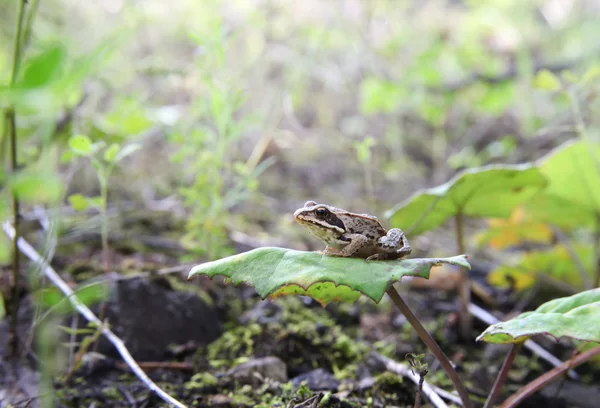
point(393, 245)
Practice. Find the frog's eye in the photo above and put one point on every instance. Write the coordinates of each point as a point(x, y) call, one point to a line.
point(321, 212)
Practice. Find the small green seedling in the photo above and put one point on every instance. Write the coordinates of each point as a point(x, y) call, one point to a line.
point(104, 159)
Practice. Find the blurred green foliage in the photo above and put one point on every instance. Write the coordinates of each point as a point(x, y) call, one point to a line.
point(411, 92)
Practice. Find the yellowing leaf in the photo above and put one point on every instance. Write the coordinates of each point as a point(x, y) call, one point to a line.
point(555, 262)
point(515, 230)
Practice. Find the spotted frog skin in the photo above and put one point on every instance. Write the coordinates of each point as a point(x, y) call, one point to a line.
point(349, 234)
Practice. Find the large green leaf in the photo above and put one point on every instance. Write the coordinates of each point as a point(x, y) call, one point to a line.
point(572, 197)
point(490, 191)
point(576, 316)
point(278, 271)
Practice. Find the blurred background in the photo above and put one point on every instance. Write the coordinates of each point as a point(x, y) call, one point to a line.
point(155, 133)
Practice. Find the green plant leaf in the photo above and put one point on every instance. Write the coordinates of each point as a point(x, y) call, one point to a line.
point(89, 294)
point(572, 197)
point(278, 271)
point(111, 152)
point(80, 145)
point(576, 316)
point(2, 308)
point(34, 186)
point(546, 80)
point(44, 67)
point(79, 202)
point(490, 191)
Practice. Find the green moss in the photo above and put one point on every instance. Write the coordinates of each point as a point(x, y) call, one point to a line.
point(201, 380)
point(112, 393)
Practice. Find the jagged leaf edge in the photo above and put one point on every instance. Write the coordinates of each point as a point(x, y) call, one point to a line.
point(453, 260)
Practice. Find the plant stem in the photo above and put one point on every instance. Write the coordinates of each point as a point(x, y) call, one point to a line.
point(548, 377)
point(419, 389)
point(105, 247)
point(464, 283)
point(11, 121)
point(431, 344)
point(596, 253)
point(33, 7)
point(502, 374)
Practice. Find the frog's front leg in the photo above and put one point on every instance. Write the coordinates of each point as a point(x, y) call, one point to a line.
point(355, 243)
point(393, 245)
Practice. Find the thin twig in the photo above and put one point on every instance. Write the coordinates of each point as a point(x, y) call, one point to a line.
point(535, 348)
point(405, 371)
point(548, 377)
point(502, 374)
point(431, 344)
point(32, 254)
point(464, 282)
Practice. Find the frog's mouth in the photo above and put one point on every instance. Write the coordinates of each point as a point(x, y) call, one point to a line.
point(320, 228)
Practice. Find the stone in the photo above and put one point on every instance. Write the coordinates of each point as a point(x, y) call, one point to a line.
point(317, 380)
point(149, 316)
point(266, 367)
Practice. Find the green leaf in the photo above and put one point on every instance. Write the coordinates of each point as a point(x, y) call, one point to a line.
point(2, 308)
point(572, 197)
point(546, 80)
point(43, 68)
point(79, 202)
point(576, 316)
point(80, 145)
point(111, 153)
point(490, 191)
point(34, 186)
point(88, 294)
point(278, 271)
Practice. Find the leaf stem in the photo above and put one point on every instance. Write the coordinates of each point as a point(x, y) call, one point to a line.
point(11, 121)
point(431, 344)
point(548, 377)
point(464, 287)
point(420, 389)
point(596, 253)
point(502, 374)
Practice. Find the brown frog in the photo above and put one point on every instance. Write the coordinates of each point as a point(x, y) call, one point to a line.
point(349, 234)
